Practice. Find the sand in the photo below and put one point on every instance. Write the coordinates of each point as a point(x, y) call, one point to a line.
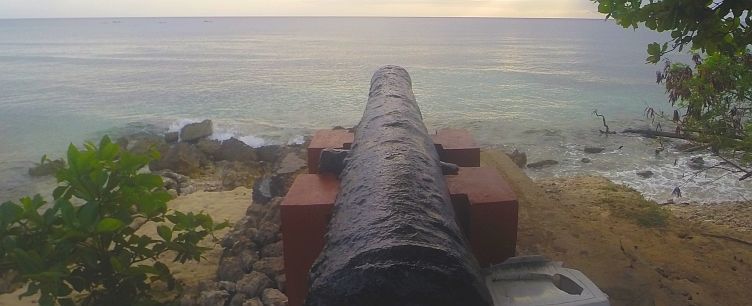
point(228, 205)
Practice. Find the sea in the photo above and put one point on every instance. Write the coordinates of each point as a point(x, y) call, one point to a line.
point(525, 84)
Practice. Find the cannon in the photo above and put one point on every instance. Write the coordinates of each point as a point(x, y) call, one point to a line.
point(392, 237)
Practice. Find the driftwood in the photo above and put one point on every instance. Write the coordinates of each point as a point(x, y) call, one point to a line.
point(392, 237)
point(652, 134)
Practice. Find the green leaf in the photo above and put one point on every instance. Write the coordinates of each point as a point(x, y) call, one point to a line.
point(165, 232)
point(88, 213)
point(108, 225)
point(149, 180)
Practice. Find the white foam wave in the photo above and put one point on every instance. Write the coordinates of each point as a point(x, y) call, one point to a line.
point(708, 186)
point(296, 140)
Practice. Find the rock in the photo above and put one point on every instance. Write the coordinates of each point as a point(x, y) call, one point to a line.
point(274, 297)
point(182, 158)
point(697, 163)
point(269, 154)
point(236, 150)
point(195, 131)
point(262, 192)
point(171, 137)
point(272, 250)
point(169, 183)
point(227, 286)
point(238, 299)
point(272, 212)
point(271, 266)
point(585, 160)
point(519, 158)
point(213, 298)
point(186, 188)
point(233, 174)
point(230, 269)
point(543, 163)
point(645, 174)
point(143, 142)
point(210, 147)
point(281, 281)
point(253, 302)
point(47, 167)
point(188, 300)
point(173, 193)
point(253, 284)
point(268, 187)
point(207, 285)
point(593, 150)
point(291, 164)
point(267, 234)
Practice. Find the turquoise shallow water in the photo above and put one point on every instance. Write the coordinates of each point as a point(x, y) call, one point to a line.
point(515, 83)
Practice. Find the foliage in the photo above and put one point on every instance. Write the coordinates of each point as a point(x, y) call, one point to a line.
point(83, 247)
point(715, 94)
point(711, 27)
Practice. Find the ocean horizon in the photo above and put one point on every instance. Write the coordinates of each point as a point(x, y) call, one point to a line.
point(529, 84)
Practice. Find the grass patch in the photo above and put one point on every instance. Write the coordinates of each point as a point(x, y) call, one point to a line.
point(651, 216)
point(627, 203)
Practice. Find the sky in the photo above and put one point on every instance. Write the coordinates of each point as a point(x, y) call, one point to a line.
point(169, 8)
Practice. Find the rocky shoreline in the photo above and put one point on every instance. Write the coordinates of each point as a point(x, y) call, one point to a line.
point(250, 264)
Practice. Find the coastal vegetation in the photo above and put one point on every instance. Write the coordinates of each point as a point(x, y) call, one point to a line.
point(82, 247)
point(713, 94)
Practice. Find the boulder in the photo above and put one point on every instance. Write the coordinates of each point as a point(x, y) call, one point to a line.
point(142, 143)
point(281, 281)
point(238, 299)
point(46, 168)
point(585, 160)
point(274, 297)
point(269, 154)
point(291, 164)
point(227, 286)
point(519, 158)
point(272, 250)
point(271, 266)
point(697, 163)
point(213, 298)
point(645, 174)
point(253, 302)
point(594, 150)
point(543, 164)
point(195, 131)
point(209, 147)
point(267, 234)
point(230, 269)
point(236, 150)
point(182, 158)
point(262, 190)
point(253, 284)
point(234, 174)
point(171, 137)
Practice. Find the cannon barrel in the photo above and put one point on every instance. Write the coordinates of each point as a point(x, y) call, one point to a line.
point(392, 238)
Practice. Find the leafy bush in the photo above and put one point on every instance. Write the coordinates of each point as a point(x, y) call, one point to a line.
point(715, 95)
point(83, 248)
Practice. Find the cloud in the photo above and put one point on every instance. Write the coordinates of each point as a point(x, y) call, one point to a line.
point(110, 8)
